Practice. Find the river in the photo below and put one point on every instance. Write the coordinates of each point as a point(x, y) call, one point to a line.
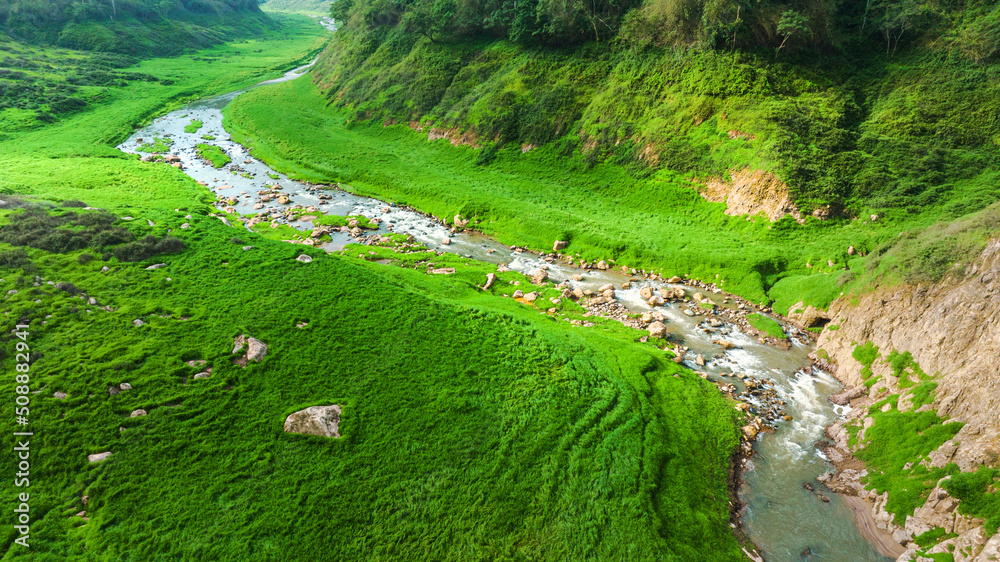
point(788, 522)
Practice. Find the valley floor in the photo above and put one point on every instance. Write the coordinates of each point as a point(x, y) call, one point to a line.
point(472, 427)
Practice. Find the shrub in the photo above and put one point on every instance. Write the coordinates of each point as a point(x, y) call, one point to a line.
point(978, 494)
point(148, 247)
point(16, 259)
point(866, 355)
point(111, 237)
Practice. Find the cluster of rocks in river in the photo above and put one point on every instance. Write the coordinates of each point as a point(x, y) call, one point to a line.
point(758, 397)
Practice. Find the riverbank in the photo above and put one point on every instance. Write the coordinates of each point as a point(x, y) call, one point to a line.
point(471, 425)
point(917, 362)
point(882, 540)
point(284, 201)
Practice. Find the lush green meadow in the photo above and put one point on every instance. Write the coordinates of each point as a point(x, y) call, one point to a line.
point(533, 198)
point(311, 7)
point(474, 427)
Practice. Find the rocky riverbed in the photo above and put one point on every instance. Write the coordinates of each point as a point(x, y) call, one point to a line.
point(771, 380)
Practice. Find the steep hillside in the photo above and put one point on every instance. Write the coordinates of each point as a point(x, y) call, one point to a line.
point(825, 106)
point(920, 364)
point(134, 27)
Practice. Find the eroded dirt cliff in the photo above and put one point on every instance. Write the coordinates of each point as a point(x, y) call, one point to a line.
point(751, 192)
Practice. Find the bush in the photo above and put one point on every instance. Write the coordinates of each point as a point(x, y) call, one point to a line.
point(148, 247)
point(111, 237)
point(866, 355)
point(170, 245)
point(978, 494)
point(16, 259)
point(61, 233)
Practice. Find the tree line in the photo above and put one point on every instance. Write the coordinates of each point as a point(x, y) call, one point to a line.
point(971, 27)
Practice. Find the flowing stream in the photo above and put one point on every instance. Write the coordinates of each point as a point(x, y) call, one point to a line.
point(784, 519)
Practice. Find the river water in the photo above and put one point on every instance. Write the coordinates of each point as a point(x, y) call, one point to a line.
point(785, 520)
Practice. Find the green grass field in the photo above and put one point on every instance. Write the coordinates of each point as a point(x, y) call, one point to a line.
point(658, 222)
point(474, 427)
point(310, 7)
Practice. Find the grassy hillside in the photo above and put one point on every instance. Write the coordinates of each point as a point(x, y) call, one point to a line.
point(606, 143)
point(317, 7)
point(474, 427)
point(653, 220)
point(864, 132)
point(134, 27)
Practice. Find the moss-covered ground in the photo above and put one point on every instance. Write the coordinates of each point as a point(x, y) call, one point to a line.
point(213, 154)
point(474, 427)
point(655, 219)
point(534, 198)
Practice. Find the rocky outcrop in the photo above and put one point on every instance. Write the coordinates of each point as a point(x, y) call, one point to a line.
point(952, 330)
point(751, 192)
point(455, 136)
point(256, 349)
point(315, 420)
point(808, 316)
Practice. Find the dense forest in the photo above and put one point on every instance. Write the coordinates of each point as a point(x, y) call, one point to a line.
point(137, 27)
point(970, 27)
point(857, 105)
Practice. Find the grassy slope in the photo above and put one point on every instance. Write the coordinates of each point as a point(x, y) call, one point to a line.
point(474, 428)
point(911, 138)
point(139, 27)
point(541, 196)
point(311, 7)
point(888, 135)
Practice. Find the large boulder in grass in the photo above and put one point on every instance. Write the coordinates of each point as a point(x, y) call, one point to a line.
point(315, 420)
point(98, 457)
point(256, 349)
